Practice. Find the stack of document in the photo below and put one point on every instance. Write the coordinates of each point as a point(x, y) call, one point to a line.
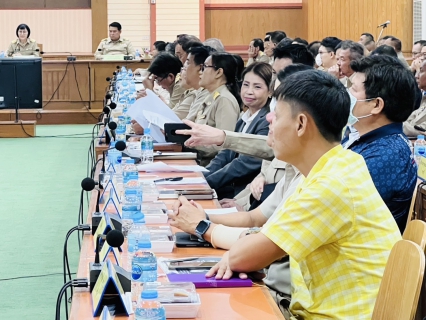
point(163, 167)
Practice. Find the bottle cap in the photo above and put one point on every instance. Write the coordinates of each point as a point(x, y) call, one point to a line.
point(421, 137)
point(147, 131)
point(112, 144)
point(149, 294)
point(121, 117)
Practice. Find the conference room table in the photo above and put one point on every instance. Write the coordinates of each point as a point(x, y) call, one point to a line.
point(216, 303)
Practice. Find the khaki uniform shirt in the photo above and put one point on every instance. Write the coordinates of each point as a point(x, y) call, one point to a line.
point(248, 144)
point(272, 172)
point(219, 110)
point(177, 92)
point(27, 49)
point(181, 108)
point(417, 118)
point(200, 95)
point(261, 57)
point(121, 46)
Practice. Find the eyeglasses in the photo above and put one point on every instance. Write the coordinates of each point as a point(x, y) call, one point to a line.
point(158, 80)
point(204, 66)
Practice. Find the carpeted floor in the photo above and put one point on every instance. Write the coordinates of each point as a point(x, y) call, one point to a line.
point(39, 201)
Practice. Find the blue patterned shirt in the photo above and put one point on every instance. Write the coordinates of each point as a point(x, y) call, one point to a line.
point(387, 153)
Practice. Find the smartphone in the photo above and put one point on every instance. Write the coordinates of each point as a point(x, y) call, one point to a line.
point(185, 240)
point(170, 132)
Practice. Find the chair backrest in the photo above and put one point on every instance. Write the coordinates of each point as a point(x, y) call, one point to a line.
point(416, 232)
point(400, 287)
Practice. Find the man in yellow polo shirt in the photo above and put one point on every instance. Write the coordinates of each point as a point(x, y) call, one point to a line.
point(336, 228)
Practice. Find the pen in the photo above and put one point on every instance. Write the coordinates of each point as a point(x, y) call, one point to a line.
point(182, 260)
point(169, 179)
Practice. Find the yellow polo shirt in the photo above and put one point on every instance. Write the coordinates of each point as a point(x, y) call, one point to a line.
point(338, 233)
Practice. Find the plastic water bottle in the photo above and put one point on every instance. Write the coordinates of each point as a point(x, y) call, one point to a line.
point(137, 54)
point(148, 307)
point(121, 129)
point(114, 157)
point(2, 54)
point(147, 147)
point(130, 171)
point(144, 262)
point(419, 148)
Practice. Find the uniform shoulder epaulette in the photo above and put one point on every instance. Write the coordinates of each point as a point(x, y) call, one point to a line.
point(215, 95)
point(32, 40)
point(15, 41)
point(177, 78)
point(106, 39)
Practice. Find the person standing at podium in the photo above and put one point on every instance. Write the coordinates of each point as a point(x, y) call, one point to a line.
point(114, 45)
point(23, 46)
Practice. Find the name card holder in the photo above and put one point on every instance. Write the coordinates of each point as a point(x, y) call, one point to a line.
point(108, 291)
point(421, 172)
point(108, 223)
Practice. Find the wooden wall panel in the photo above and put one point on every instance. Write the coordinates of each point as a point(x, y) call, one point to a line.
point(238, 27)
point(347, 19)
point(134, 17)
point(250, 1)
point(176, 17)
point(99, 22)
point(57, 30)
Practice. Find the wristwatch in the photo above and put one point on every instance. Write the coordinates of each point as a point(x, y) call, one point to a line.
point(201, 229)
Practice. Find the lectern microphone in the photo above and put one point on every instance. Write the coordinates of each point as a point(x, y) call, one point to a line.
point(70, 58)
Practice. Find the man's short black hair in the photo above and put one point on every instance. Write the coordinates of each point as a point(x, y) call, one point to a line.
point(356, 50)
point(293, 68)
point(165, 63)
point(268, 36)
point(322, 96)
point(277, 36)
point(301, 41)
point(369, 37)
point(200, 54)
point(330, 43)
point(295, 52)
point(258, 43)
point(313, 47)
point(115, 25)
point(387, 78)
point(160, 45)
point(422, 42)
point(396, 43)
point(186, 41)
point(385, 50)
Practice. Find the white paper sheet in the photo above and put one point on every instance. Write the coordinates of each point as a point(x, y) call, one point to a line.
point(221, 211)
point(183, 181)
point(162, 167)
point(155, 105)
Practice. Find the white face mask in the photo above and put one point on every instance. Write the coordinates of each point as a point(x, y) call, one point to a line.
point(352, 119)
point(272, 104)
point(318, 60)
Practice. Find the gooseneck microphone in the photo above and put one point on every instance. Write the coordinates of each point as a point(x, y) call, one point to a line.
point(87, 184)
point(119, 145)
point(65, 260)
point(115, 239)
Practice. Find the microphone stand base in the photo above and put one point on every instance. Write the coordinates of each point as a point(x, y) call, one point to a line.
point(71, 58)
